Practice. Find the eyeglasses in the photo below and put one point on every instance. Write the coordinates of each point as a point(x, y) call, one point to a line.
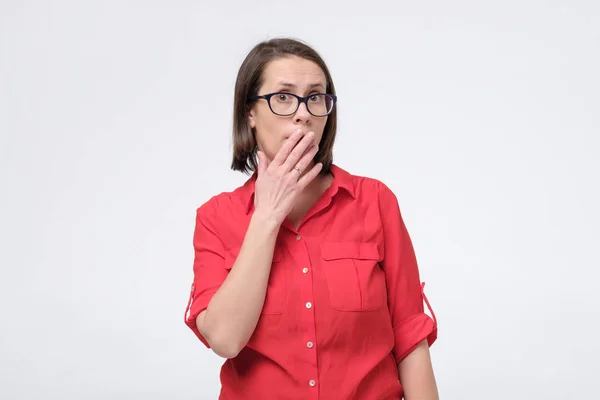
point(286, 104)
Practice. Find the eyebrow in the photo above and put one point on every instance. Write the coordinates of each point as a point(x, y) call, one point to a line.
point(292, 86)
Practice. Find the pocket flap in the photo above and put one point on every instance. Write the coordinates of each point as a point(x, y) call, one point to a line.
point(356, 250)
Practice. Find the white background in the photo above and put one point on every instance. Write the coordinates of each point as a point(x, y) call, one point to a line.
point(482, 116)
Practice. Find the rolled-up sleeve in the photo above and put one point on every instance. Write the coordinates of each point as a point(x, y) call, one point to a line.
point(209, 272)
point(405, 292)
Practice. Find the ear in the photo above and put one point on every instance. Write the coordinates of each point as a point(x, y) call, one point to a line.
point(250, 116)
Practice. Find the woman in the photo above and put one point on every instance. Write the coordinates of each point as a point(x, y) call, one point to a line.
point(305, 278)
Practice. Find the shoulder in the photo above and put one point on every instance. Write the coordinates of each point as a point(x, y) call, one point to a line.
point(224, 204)
point(371, 187)
point(375, 194)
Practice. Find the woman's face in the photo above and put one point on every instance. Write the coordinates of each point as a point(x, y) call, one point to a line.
point(293, 75)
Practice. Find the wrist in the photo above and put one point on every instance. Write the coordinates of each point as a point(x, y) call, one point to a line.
point(265, 221)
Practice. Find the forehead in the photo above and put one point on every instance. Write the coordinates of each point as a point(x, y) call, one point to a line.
point(293, 70)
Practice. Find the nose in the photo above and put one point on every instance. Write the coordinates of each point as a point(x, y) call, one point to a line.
point(302, 114)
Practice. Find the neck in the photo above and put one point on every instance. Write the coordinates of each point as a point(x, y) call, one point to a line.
point(317, 186)
point(309, 196)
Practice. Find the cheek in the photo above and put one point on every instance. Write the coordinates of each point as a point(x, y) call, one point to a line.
point(269, 141)
point(265, 121)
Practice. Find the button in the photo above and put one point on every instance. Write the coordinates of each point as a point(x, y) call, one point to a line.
point(312, 382)
point(305, 270)
point(298, 237)
point(308, 305)
point(309, 345)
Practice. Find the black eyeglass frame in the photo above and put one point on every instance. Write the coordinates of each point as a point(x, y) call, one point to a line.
point(301, 100)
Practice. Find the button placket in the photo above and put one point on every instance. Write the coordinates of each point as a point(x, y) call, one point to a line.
point(306, 293)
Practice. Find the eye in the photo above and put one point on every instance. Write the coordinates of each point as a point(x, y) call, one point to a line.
point(315, 98)
point(282, 97)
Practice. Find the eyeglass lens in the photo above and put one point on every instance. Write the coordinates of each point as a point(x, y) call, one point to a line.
point(284, 104)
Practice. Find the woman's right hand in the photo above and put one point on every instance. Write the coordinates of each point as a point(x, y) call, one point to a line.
point(280, 181)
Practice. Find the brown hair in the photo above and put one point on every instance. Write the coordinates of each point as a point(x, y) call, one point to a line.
point(250, 79)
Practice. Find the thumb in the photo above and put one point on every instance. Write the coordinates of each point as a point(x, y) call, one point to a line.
point(262, 162)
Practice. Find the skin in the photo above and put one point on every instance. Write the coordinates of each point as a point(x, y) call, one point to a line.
point(294, 75)
point(284, 144)
point(416, 375)
point(302, 77)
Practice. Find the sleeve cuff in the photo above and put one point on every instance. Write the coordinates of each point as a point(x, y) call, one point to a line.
point(194, 308)
point(412, 331)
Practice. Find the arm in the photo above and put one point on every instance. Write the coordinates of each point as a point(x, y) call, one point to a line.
point(225, 306)
point(414, 331)
point(416, 375)
point(232, 314)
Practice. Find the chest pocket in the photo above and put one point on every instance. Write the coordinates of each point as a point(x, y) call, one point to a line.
point(276, 297)
point(355, 280)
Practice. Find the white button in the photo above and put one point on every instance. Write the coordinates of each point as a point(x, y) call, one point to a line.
point(305, 270)
point(298, 237)
point(312, 382)
point(309, 345)
point(308, 305)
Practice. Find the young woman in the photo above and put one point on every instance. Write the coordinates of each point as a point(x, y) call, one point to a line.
point(305, 278)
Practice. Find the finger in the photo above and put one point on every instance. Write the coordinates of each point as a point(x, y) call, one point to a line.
point(287, 147)
point(306, 159)
point(263, 163)
point(298, 151)
point(310, 175)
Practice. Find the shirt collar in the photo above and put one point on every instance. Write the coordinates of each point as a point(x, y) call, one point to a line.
point(341, 180)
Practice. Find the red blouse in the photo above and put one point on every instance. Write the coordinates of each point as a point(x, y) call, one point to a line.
point(344, 302)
